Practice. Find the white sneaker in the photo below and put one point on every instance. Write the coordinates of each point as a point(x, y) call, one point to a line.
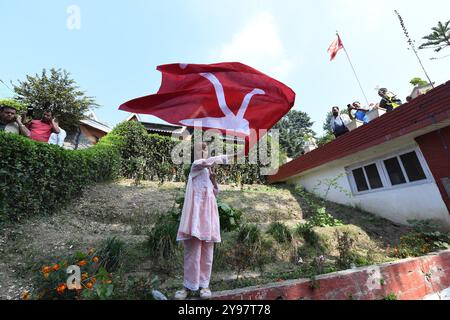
point(181, 295)
point(205, 293)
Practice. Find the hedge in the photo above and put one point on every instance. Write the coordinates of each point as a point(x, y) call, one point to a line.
point(148, 157)
point(37, 178)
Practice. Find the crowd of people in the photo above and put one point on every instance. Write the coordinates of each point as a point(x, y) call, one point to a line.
point(339, 121)
point(46, 129)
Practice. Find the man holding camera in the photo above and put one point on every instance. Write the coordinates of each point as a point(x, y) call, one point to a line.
point(356, 111)
point(11, 122)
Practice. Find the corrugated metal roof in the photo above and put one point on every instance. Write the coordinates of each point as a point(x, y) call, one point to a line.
point(424, 111)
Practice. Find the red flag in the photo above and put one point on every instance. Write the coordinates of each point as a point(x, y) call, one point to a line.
point(230, 97)
point(335, 47)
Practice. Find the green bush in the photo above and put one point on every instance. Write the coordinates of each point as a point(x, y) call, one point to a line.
point(424, 238)
point(50, 281)
point(37, 178)
point(280, 232)
point(162, 238)
point(230, 218)
point(148, 157)
point(111, 254)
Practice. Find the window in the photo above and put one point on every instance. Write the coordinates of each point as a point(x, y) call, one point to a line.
point(413, 167)
point(367, 178)
point(360, 180)
point(373, 176)
point(394, 171)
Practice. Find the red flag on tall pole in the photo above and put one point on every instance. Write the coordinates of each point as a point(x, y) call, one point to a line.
point(335, 47)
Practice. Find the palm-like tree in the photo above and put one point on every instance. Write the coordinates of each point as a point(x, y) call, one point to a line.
point(439, 39)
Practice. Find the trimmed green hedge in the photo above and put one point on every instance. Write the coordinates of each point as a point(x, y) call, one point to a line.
point(148, 157)
point(37, 178)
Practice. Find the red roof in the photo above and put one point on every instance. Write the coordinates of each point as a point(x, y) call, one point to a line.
point(431, 108)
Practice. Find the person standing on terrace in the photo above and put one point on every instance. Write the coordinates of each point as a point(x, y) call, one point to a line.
point(339, 122)
point(389, 101)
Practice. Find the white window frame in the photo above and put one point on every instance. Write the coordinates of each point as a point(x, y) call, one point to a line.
point(384, 176)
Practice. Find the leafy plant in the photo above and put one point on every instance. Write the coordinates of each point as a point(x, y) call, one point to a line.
point(162, 238)
point(248, 248)
point(280, 232)
point(391, 296)
point(423, 239)
point(345, 245)
point(230, 218)
point(95, 282)
point(111, 253)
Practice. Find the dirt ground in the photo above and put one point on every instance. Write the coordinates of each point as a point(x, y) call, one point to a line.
point(127, 211)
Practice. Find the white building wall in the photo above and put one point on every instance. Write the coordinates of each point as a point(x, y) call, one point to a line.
point(422, 201)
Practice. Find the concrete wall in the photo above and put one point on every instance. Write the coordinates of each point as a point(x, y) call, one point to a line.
point(410, 279)
point(423, 201)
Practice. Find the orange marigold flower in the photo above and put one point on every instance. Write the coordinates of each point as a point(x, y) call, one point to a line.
point(46, 269)
point(25, 295)
point(84, 276)
point(89, 285)
point(56, 267)
point(61, 288)
point(93, 280)
point(82, 263)
point(95, 259)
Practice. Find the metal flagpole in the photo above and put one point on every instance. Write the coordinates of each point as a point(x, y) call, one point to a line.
point(354, 71)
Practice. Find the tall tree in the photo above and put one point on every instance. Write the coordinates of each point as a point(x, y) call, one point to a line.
point(439, 39)
point(293, 128)
point(57, 91)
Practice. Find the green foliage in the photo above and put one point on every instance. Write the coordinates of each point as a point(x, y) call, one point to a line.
point(345, 245)
point(391, 296)
point(50, 282)
point(326, 138)
point(12, 103)
point(318, 215)
point(58, 89)
point(248, 249)
point(111, 254)
point(230, 218)
point(423, 239)
point(280, 232)
point(439, 39)
point(162, 238)
point(144, 156)
point(37, 178)
point(293, 127)
point(418, 82)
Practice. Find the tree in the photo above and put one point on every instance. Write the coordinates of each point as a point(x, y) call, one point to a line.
point(439, 39)
point(293, 127)
point(58, 92)
point(418, 82)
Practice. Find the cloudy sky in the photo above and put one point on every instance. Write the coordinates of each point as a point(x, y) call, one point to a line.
point(114, 53)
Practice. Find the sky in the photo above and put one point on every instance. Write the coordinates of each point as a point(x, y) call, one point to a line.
point(113, 49)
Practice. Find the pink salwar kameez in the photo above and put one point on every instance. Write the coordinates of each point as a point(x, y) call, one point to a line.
point(200, 225)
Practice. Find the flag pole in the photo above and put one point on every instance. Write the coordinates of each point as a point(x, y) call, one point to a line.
point(354, 71)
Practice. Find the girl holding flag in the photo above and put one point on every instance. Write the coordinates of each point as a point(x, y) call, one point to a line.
point(199, 225)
